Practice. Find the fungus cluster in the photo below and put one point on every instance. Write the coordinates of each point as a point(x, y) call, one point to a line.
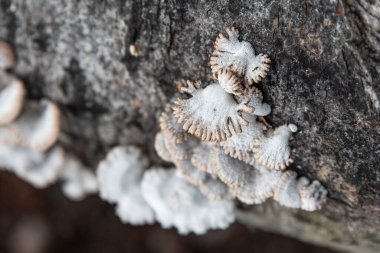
point(29, 131)
point(214, 134)
point(218, 140)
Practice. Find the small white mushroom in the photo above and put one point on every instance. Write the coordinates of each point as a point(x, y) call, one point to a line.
point(211, 113)
point(171, 127)
point(260, 186)
point(78, 181)
point(179, 204)
point(273, 152)
point(240, 146)
point(12, 94)
point(161, 149)
point(231, 171)
point(294, 193)
point(119, 177)
point(313, 195)
point(201, 157)
point(214, 189)
point(37, 127)
point(38, 169)
point(238, 56)
point(189, 172)
point(7, 56)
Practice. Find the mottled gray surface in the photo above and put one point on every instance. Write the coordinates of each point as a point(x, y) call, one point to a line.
point(324, 78)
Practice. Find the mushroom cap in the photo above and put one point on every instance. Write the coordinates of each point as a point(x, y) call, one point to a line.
point(238, 56)
point(133, 209)
point(7, 56)
point(313, 195)
point(38, 169)
point(211, 113)
point(12, 94)
point(37, 127)
point(260, 186)
point(240, 145)
point(231, 171)
point(273, 152)
point(287, 190)
point(119, 177)
point(179, 204)
point(189, 172)
point(171, 127)
point(120, 171)
point(179, 150)
point(160, 147)
point(78, 181)
point(214, 189)
point(201, 157)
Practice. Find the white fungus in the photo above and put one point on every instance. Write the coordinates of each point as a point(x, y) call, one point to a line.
point(238, 56)
point(179, 204)
point(119, 178)
point(78, 181)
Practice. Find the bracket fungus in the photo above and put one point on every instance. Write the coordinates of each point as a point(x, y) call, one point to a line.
point(37, 127)
point(238, 56)
point(7, 56)
point(179, 204)
point(119, 177)
point(12, 93)
point(273, 151)
point(38, 168)
point(195, 113)
point(78, 181)
point(221, 145)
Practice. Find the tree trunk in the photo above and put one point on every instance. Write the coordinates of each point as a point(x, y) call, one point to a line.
point(324, 77)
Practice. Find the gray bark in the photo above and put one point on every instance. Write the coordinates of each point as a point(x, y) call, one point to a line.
point(324, 77)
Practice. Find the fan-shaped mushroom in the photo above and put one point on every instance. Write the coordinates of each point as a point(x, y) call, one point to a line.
point(231, 171)
point(260, 186)
point(12, 93)
point(37, 127)
point(39, 169)
point(78, 181)
point(211, 113)
point(238, 56)
point(119, 177)
point(240, 146)
point(7, 56)
point(179, 204)
point(273, 152)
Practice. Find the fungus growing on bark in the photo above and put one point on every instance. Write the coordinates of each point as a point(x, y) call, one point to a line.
point(273, 151)
point(231, 171)
point(160, 147)
point(178, 204)
point(7, 56)
point(259, 186)
point(37, 127)
point(78, 181)
point(119, 177)
point(238, 56)
point(172, 128)
point(12, 94)
point(299, 193)
point(195, 113)
point(37, 168)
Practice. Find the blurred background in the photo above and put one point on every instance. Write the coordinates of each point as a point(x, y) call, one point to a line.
point(44, 221)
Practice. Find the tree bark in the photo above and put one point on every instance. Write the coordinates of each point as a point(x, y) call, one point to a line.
point(324, 77)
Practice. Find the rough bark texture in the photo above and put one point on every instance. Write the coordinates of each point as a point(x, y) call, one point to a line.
point(324, 77)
